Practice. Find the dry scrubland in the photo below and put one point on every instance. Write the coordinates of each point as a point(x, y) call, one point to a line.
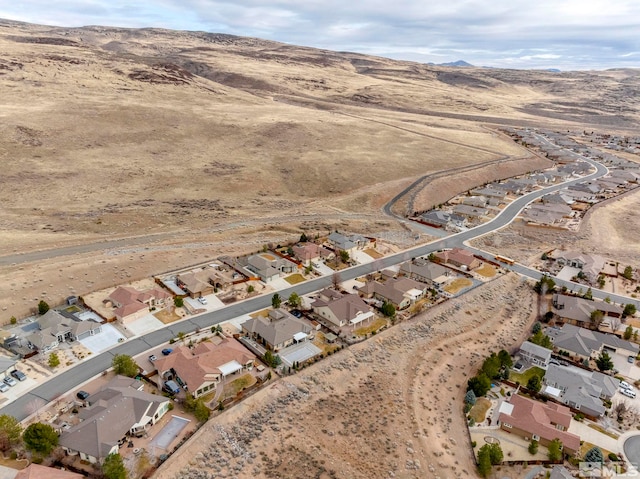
point(186, 146)
point(387, 407)
point(199, 144)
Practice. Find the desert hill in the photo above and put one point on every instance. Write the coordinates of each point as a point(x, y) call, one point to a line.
point(115, 133)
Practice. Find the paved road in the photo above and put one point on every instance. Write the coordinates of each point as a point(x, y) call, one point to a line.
point(71, 378)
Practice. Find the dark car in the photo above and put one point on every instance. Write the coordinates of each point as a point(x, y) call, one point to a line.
point(167, 351)
point(82, 395)
point(19, 375)
point(297, 313)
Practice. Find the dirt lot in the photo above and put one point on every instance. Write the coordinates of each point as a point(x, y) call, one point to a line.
point(369, 411)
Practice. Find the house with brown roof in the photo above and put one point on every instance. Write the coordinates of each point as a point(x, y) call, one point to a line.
point(341, 308)
point(401, 292)
point(203, 281)
point(459, 257)
point(203, 367)
point(121, 409)
point(278, 329)
point(577, 311)
point(425, 271)
point(310, 252)
point(533, 420)
point(36, 471)
point(130, 304)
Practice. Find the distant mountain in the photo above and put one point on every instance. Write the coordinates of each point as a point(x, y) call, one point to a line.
point(459, 63)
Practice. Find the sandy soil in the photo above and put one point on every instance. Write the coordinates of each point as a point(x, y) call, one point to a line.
point(387, 407)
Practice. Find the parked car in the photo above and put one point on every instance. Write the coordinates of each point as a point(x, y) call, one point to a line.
point(152, 358)
point(167, 351)
point(631, 359)
point(82, 395)
point(19, 375)
point(202, 300)
point(10, 381)
point(3, 387)
point(625, 385)
point(628, 392)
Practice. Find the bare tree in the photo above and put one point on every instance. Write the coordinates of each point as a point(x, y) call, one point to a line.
point(336, 280)
point(615, 324)
point(619, 409)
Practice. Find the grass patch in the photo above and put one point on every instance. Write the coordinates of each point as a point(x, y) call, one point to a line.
point(479, 410)
point(603, 431)
point(457, 285)
point(370, 328)
point(294, 278)
point(166, 317)
point(523, 378)
point(486, 270)
point(237, 385)
point(373, 253)
point(13, 463)
point(320, 341)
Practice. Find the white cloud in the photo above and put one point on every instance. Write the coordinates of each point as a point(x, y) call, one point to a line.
point(599, 32)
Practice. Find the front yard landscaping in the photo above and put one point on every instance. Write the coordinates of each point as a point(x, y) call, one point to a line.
point(295, 278)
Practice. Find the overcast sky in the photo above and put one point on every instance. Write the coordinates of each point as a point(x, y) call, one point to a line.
point(565, 34)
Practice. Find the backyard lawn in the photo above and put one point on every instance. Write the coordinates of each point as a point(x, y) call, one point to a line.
point(479, 410)
point(371, 327)
point(237, 385)
point(524, 377)
point(457, 285)
point(486, 270)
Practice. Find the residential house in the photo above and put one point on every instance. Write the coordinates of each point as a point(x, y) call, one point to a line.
point(425, 271)
point(130, 304)
point(586, 344)
point(577, 311)
point(202, 367)
point(459, 257)
point(534, 354)
point(558, 198)
point(55, 328)
point(590, 264)
point(121, 409)
point(268, 266)
point(341, 242)
point(477, 201)
point(36, 471)
point(580, 389)
point(310, 252)
point(489, 193)
point(341, 309)
point(471, 212)
point(401, 292)
point(278, 329)
point(443, 219)
point(531, 419)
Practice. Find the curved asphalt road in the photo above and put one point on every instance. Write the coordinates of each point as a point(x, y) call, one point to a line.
point(66, 381)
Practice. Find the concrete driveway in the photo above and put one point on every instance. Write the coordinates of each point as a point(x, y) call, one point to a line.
point(104, 340)
point(593, 436)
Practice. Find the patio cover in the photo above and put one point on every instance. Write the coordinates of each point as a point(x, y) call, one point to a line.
point(361, 317)
point(230, 368)
point(299, 337)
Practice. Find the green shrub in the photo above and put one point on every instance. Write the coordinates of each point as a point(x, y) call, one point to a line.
point(613, 457)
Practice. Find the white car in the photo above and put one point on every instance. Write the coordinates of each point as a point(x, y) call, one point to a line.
point(3, 387)
point(628, 392)
point(626, 385)
point(202, 300)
